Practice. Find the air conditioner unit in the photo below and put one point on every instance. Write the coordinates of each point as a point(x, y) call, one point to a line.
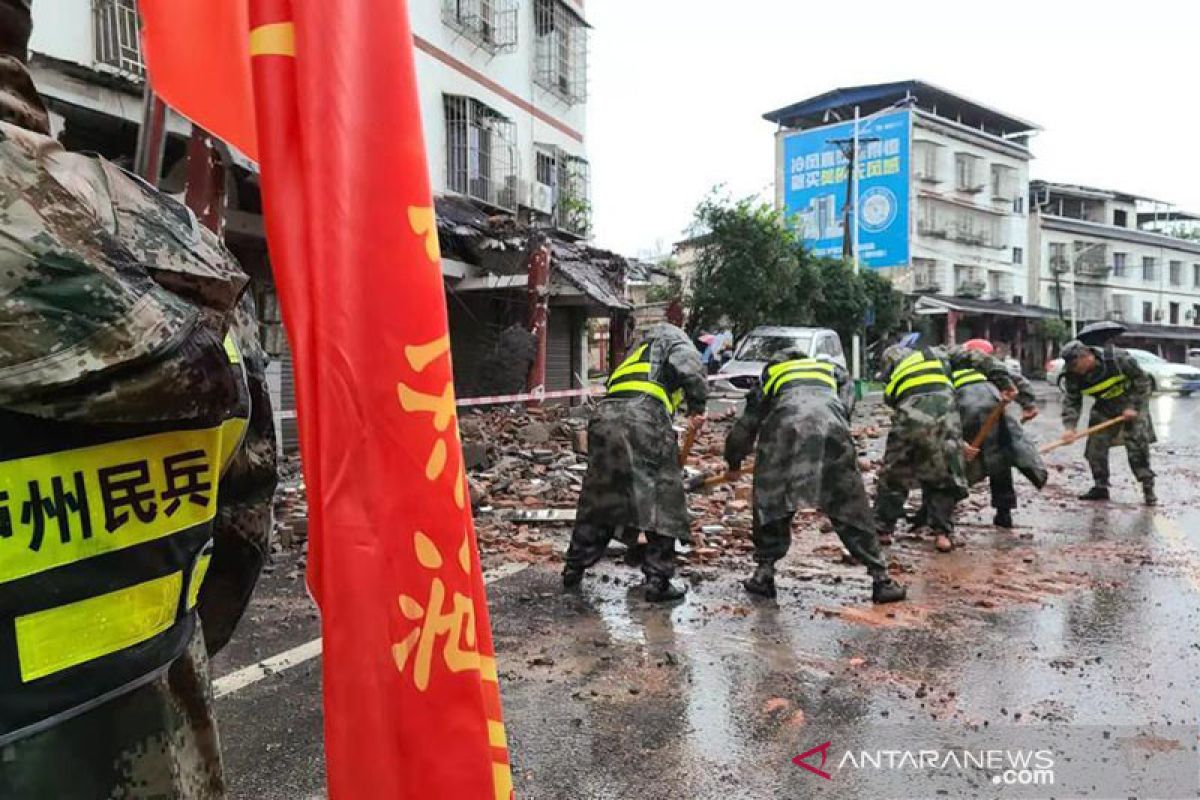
point(541, 197)
point(1158, 315)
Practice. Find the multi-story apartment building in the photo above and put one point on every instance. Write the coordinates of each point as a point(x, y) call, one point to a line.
point(1095, 256)
point(958, 214)
point(503, 96)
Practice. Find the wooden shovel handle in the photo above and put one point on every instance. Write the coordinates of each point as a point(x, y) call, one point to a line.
point(1094, 429)
point(988, 426)
point(689, 440)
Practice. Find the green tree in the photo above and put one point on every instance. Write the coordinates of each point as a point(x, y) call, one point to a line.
point(1054, 330)
point(751, 270)
point(889, 309)
point(842, 302)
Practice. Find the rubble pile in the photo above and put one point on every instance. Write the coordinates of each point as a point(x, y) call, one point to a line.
point(524, 458)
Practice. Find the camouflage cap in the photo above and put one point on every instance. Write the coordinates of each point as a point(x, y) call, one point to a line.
point(1073, 350)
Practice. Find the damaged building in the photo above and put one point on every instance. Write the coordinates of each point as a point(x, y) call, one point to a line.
point(494, 287)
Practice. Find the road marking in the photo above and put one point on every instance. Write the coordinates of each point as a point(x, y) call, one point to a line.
point(1170, 530)
point(248, 676)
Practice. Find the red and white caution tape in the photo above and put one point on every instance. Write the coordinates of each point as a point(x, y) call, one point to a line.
point(536, 395)
point(499, 399)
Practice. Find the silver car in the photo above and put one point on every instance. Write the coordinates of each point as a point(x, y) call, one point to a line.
point(744, 371)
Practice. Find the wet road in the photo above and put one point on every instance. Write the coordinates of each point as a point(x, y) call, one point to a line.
point(1078, 631)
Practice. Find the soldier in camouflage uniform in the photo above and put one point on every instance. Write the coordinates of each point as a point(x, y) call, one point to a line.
point(924, 446)
point(634, 482)
point(125, 328)
point(805, 458)
point(1119, 387)
point(1006, 447)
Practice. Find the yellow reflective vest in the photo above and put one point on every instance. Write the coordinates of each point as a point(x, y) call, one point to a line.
point(920, 372)
point(633, 377)
point(105, 539)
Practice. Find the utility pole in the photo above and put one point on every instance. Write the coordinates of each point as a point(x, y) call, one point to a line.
point(850, 149)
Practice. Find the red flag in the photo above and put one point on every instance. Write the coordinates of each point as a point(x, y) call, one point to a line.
point(198, 54)
point(412, 704)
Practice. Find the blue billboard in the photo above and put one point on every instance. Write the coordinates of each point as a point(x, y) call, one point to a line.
point(815, 173)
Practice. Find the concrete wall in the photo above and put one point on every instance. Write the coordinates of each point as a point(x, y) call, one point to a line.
point(62, 29)
point(507, 85)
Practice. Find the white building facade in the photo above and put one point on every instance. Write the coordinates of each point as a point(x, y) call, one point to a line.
point(1096, 256)
point(970, 218)
point(503, 87)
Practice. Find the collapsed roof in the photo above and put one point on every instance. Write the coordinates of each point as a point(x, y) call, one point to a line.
point(499, 245)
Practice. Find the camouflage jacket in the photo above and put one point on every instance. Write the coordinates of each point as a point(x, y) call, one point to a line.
point(633, 476)
point(1111, 361)
point(804, 449)
point(116, 307)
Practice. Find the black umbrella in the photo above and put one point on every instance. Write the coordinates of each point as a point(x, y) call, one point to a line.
point(1099, 334)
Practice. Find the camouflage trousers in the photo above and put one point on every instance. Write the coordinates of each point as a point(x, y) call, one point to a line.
point(157, 742)
point(1137, 450)
point(772, 540)
point(590, 541)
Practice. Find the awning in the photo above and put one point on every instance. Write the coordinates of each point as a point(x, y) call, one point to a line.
point(936, 304)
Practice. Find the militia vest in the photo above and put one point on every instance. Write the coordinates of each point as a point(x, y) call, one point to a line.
point(1110, 384)
point(801, 372)
point(965, 377)
point(633, 377)
point(105, 539)
point(920, 372)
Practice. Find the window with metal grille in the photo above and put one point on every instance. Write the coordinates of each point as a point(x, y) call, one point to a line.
point(574, 207)
point(490, 24)
point(547, 168)
point(1148, 268)
point(1176, 273)
point(117, 43)
point(560, 65)
point(480, 152)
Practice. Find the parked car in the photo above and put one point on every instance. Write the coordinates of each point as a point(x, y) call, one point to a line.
point(1054, 371)
point(1164, 376)
point(1012, 365)
point(743, 372)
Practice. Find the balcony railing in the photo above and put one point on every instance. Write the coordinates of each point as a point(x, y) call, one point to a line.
point(971, 288)
point(117, 44)
point(490, 24)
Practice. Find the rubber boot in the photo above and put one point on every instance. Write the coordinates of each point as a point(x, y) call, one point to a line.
point(571, 577)
point(762, 582)
point(1095, 493)
point(661, 590)
point(886, 590)
point(1148, 493)
point(1003, 518)
point(635, 555)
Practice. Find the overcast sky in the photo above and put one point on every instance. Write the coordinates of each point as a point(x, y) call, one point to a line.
point(678, 89)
